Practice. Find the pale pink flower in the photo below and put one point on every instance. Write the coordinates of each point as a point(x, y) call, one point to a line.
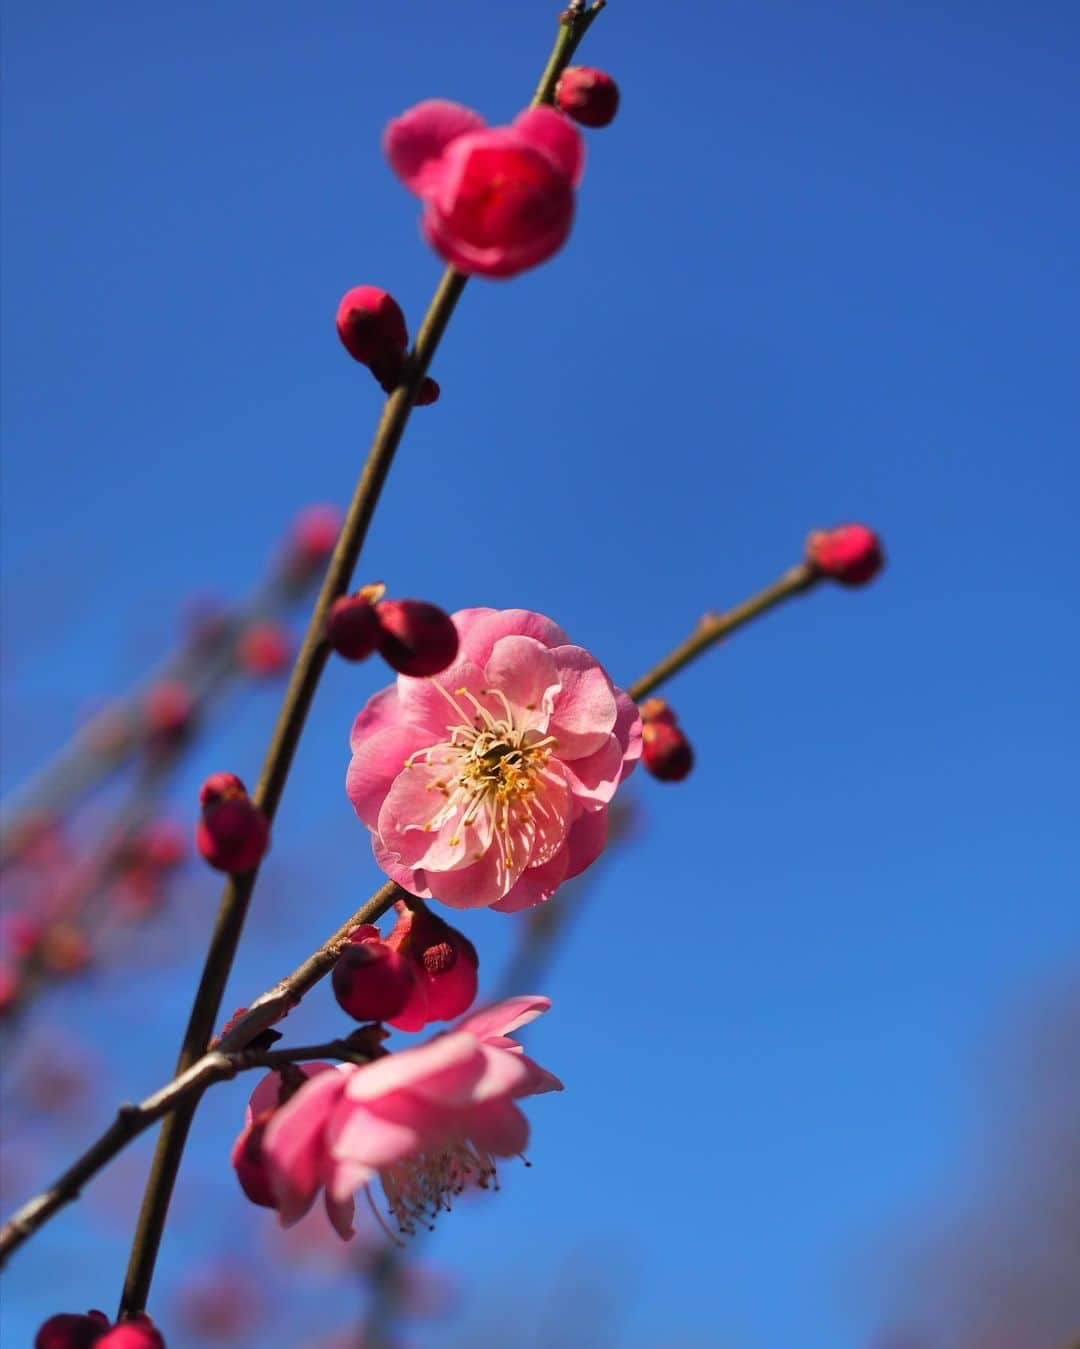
point(496, 199)
point(488, 784)
point(427, 1122)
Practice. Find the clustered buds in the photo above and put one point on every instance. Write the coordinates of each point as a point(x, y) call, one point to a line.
point(372, 330)
point(412, 636)
point(69, 1330)
point(587, 95)
point(233, 834)
point(850, 554)
point(665, 750)
point(424, 971)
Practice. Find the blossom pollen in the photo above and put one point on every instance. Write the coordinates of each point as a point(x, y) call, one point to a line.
point(419, 1189)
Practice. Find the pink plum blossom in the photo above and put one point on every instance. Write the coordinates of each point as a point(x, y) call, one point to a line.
point(488, 784)
point(427, 1122)
point(497, 200)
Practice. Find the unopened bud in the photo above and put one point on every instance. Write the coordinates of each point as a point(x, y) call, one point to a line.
point(427, 393)
point(371, 981)
point(850, 554)
point(233, 834)
point(656, 709)
point(249, 1165)
point(371, 325)
point(69, 1330)
point(665, 751)
point(264, 649)
point(417, 638)
point(311, 539)
point(352, 625)
point(587, 95)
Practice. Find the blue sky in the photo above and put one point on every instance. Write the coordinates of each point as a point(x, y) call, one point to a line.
point(825, 267)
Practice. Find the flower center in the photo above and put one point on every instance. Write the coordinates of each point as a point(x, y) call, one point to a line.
point(495, 765)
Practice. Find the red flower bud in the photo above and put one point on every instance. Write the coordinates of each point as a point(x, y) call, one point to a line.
point(352, 625)
point(160, 845)
point(265, 649)
point(427, 393)
point(371, 981)
point(665, 751)
point(656, 709)
point(371, 325)
point(445, 962)
point(417, 638)
point(233, 834)
point(850, 554)
point(168, 709)
point(587, 95)
point(68, 1330)
point(140, 1333)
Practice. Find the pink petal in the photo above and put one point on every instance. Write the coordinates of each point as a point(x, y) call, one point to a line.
point(522, 669)
point(585, 710)
point(363, 1139)
point(480, 885)
point(498, 1127)
point(550, 132)
point(267, 1093)
point(380, 711)
point(422, 819)
point(409, 878)
point(436, 702)
point(628, 731)
point(503, 1017)
point(415, 141)
point(593, 779)
point(586, 840)
point(478, 641)
point(539, 1079)
point(446, 1060)
point(293, 1143)
point(536, 884)
point(550, 810)
point(376, 763)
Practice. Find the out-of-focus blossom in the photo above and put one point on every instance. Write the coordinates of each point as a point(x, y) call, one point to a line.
point(488, 785)
point(311, 539)
point(168, 709)
point(265, 649)
point(426, 1122)
point(496, 199)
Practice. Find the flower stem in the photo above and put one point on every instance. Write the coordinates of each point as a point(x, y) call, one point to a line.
point(713, 627)
point(307, 671)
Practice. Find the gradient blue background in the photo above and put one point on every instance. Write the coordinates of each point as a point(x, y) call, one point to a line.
point(825, 267)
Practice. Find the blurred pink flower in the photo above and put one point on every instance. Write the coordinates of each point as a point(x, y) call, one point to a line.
point(496, 199)
point(427, 1122)
point(488, 784)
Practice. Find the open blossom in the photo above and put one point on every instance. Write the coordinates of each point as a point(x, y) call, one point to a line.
point(496, 199)
point(488, 784)
point(427, 1122)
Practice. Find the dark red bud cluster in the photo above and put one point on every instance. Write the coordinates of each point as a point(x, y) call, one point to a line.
point(69, 1330)
point(850, 554)
point(414, 637)
point(373, 331)
point(424, 971)
point(587, 95)
point(665, 750)
point(233, 834)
